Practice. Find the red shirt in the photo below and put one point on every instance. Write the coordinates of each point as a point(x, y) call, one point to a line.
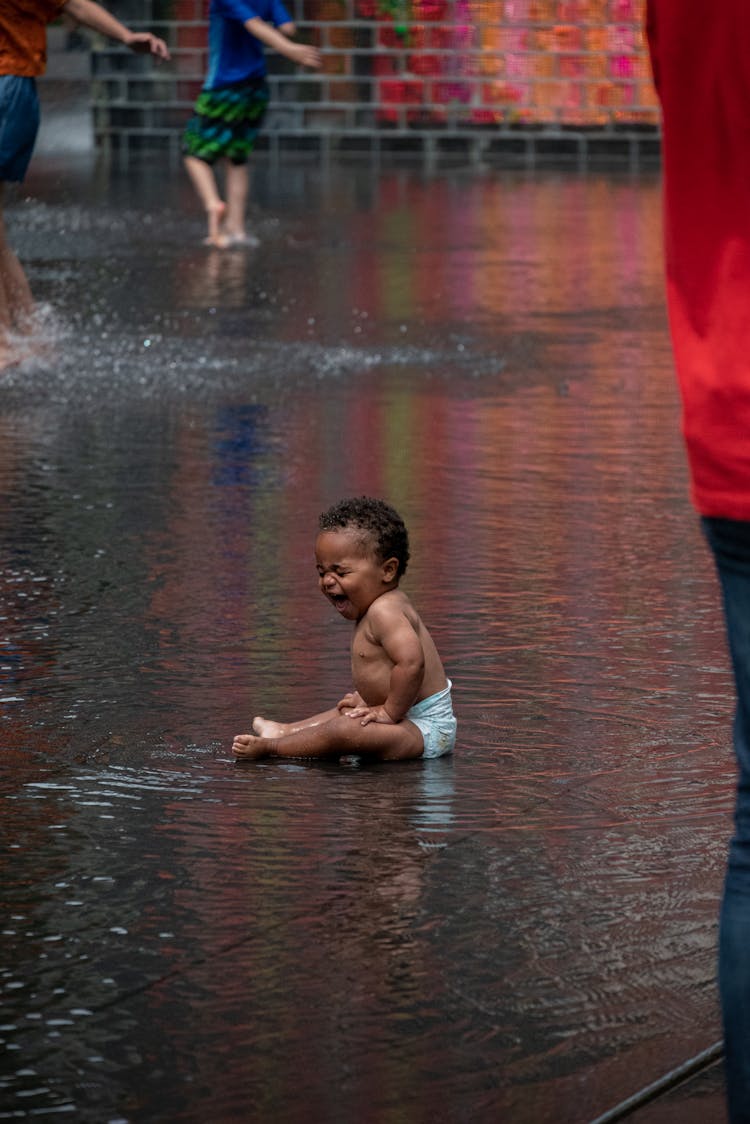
point(700, 51)
point(23, 35)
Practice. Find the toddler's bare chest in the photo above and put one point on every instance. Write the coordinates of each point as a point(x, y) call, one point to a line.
point(366, 651)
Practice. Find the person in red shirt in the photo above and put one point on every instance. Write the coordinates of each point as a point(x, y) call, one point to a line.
point(23, 51)
point(700, 55)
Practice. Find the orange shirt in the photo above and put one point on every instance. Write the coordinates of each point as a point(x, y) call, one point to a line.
point(700, 51)
point(23, 35)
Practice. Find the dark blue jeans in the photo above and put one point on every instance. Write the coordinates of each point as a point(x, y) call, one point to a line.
point(730, 543)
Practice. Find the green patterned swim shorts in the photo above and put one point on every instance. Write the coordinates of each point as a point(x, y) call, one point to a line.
point(226, 122)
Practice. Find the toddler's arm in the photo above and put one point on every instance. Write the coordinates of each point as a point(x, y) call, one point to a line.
point(401, 644)
point(406, 679)
point(297, 52)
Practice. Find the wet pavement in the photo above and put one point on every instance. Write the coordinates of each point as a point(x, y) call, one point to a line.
point(525, 932)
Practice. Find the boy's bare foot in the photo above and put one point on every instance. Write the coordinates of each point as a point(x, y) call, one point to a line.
point(18, 349)
point(240, 239)
point(219, 242)
point(265, 728)
point(215, 236)
point(249, 748)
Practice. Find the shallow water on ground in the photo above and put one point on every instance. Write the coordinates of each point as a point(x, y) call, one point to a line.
point(524, 932)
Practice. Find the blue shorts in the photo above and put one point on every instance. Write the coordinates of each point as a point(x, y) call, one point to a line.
point(436, 722)
point(19, 123)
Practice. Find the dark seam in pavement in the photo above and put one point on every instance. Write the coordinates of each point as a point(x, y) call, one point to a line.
point(663, 1084)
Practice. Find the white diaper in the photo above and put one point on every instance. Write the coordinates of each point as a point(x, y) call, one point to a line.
point(435, 719)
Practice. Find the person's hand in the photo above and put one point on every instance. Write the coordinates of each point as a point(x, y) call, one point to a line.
point(367, 714)
point(349, 701)
point(305, 55)
point(144, 43)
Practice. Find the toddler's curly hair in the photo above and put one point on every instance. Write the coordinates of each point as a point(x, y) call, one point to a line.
point(377, 520)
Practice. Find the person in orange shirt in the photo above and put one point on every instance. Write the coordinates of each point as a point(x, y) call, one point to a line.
point(23, 51)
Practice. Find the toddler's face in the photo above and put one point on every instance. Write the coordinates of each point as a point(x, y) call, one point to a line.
point(350, 574)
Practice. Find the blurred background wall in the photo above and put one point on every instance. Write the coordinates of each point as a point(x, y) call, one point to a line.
point(513, 79)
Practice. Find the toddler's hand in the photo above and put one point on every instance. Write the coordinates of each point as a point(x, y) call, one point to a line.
point(351, 700)
point(367, 714)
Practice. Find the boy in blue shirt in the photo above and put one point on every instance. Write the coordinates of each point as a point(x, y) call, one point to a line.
point(231, 106)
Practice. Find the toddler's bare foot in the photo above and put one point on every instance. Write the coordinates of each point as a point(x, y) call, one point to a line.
point(265, 728)
point(249, 748)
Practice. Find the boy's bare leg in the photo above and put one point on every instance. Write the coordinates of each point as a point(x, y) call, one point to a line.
point(342, 735)
point(204, 182)
point(16, 301)
point(238, 187)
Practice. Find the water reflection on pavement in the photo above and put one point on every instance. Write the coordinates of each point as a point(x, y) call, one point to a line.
point(523, 933)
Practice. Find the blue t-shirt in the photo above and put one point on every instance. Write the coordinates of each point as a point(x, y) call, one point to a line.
point(233, 53)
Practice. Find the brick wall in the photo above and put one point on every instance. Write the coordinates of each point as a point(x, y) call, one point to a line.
point(505, 77)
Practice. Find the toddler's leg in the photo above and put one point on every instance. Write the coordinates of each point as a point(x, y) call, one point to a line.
point(341, 735)
point(266, 728)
